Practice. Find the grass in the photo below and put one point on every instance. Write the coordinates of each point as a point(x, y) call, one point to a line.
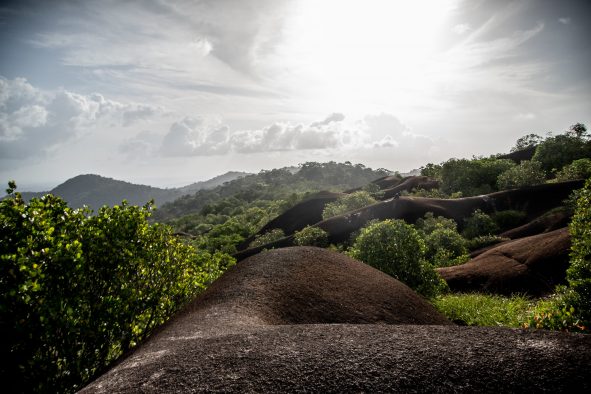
point(485, 310)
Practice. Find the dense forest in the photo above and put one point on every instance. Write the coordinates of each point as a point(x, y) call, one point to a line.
point(80, 288)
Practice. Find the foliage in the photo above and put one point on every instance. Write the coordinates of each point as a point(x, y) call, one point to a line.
point(528, 173)
point(555, 313)
point(431, 170)
point(484, 310)
point(76, 291)
point(561, 150)
point(578, 274)
point(276, 184)
point(396, 248)
point(578, 169)
point(268, 237)
point(479, 223)
point(445, 247)
point(483, 241)
point(311, 236)
point(527, 141)
point(578, 130)
point(432, 193)
point(348, 203)
point(430, 223)
point(472, 177)
point(509, 219)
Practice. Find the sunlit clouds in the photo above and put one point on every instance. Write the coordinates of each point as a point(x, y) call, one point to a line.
point(170, 92)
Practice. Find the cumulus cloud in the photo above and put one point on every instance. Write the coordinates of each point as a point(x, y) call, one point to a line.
point(33, 121)
point(203, 136)
point(196, 137)
point(335, 117)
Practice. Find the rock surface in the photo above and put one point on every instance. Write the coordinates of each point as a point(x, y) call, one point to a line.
point(263, 328)
point(531, 265)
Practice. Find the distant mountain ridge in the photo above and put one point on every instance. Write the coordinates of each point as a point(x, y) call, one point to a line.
point(95, 190)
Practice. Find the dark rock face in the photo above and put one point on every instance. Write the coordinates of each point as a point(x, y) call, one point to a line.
point(263, 327)
point(415, 182)
point(306, 213)
point(306, 285)
point(534, 200)
point(532, 265)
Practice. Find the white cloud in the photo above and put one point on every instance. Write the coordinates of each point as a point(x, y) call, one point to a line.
point(33, 121)
point(525, 116)
point(564, 21)
point(196, 137)
point(461, 28)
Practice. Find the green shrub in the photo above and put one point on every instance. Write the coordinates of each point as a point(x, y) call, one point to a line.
point(578, 169)
point(76, 291)
point(472, 177)
point(484, 310)
point(561, 150)
point(483, 241)
point(509, 219)
point(578, 274)
point(311, 236)
point(555, 313)
point(430, 223)
point(266, 238)
point(348, 203)
point(479, 223)
point(445, 247)
point(528, 173)
point(396, 248)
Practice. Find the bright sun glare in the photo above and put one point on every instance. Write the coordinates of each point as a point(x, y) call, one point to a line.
point(353, 53)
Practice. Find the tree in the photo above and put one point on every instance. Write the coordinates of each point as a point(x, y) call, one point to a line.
point(348, 203)
point(527, 173)
point(527, 141)
point(472, 177)
point(77, 290)
point(561, 150)
point(578, 169)
point(578, 130)
point(479, 223)
point(396, 248)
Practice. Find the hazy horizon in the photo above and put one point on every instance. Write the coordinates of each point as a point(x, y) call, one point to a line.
point(166, 93)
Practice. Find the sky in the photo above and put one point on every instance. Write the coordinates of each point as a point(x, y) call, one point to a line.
point(167, 93)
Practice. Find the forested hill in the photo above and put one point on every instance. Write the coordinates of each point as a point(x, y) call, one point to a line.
point(278, 184)
point(96, 191)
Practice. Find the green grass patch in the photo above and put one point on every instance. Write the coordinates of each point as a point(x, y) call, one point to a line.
point(484, 309)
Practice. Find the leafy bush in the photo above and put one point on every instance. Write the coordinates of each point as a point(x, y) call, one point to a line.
point(509, 219)
point(479, 223)
point(561, 150)
point(348, 203)
point(578, 169)
point(311, 236)
point(430, 223)
point(268, 237)
point(528, 173)
point(555, 313)
point(485, 240)
point(396, 248)
point(578, 274)
point(472, 177)
point(446, 247)
point(484, 310)
point(76, 291)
